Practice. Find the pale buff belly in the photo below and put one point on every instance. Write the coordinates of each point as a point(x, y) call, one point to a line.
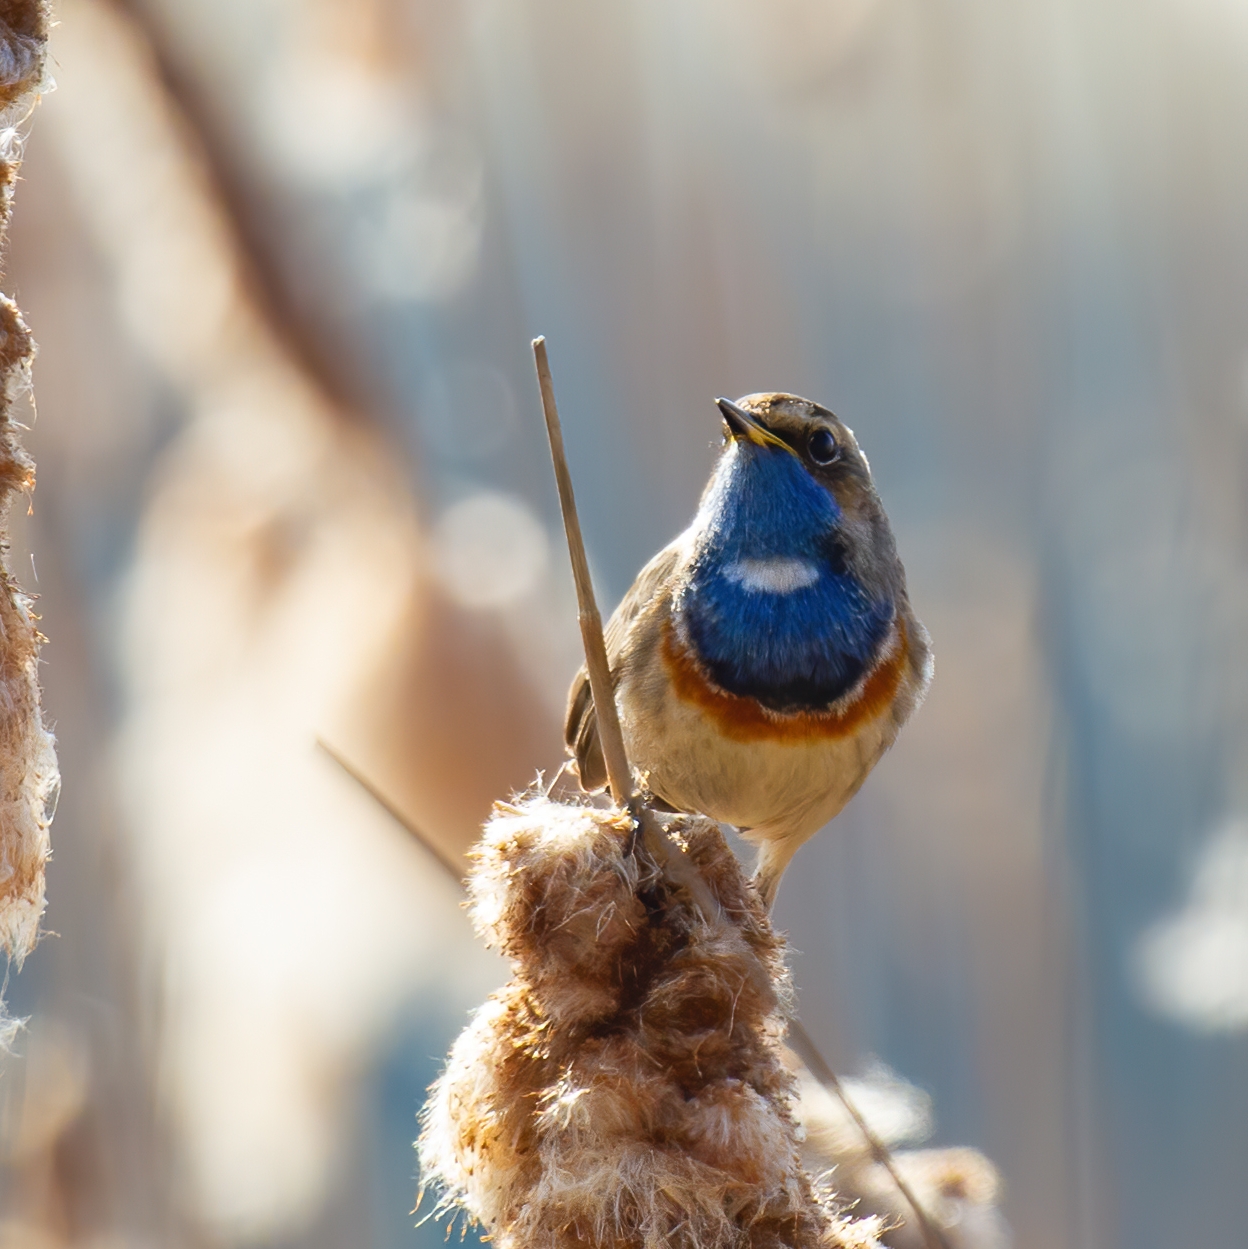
point(778, 789)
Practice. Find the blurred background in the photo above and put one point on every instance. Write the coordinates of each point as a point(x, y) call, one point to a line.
point(284, 259)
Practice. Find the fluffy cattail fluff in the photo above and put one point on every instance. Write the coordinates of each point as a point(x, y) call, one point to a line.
point(28, 775)
point(958, 1188)
point(628, 1086)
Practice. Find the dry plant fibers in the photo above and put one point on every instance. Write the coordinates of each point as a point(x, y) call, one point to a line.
point(628, 1085)
point(29, 779)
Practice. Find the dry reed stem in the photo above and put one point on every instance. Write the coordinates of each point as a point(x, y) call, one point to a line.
point(958, 1187)
point(619, 774)
point(806, 1049)
point(597, 666)
point(29, 780)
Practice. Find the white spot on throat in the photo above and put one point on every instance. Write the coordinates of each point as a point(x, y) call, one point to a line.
point(780, 575)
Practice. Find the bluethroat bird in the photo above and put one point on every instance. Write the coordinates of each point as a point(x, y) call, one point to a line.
point(766, 659)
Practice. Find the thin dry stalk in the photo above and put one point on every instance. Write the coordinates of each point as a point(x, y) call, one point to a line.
point(392, 810)
point(619, 774)
point(804, 1047)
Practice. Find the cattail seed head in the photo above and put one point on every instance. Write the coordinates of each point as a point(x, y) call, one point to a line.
point(627, 1086)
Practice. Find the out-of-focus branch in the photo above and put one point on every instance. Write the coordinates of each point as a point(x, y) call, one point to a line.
point(317, 350)
point(279, 588)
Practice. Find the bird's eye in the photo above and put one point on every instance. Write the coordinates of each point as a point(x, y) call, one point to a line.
point(822, 447)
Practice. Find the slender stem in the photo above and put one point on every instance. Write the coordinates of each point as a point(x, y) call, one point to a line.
point(670, 858)
point(806, 1049)
point(610, 735)
point(454, 872)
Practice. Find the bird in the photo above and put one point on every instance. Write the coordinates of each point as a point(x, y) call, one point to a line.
point(765, 659)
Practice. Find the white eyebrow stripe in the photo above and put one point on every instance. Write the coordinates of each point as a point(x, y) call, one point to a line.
point(780, 575)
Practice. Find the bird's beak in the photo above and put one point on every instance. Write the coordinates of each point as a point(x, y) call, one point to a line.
point(743, 425)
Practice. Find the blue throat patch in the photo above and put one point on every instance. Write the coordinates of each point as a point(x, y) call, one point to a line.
point(794, 648)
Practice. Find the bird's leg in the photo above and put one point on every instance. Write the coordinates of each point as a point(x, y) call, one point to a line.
point(773, 857)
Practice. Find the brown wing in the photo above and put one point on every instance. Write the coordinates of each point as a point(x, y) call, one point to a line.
point(580, 731)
